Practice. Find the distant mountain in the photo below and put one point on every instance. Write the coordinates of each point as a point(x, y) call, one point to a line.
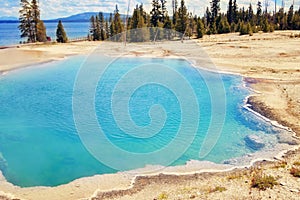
point(8, 18)
point(81, 17)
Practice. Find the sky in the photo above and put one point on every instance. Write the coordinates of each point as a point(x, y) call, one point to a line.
point(62, 8)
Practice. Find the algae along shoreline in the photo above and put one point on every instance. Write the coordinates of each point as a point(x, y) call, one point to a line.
point(275, 77)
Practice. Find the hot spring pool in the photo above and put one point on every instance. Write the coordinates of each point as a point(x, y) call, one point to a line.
point(40, 145)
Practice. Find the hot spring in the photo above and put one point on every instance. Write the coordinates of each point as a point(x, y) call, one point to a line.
point(161, 111)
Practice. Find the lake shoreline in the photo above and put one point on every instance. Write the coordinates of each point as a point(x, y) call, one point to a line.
point(43, 53)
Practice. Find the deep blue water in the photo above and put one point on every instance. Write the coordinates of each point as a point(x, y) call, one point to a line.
point(168, 101)
point(10, 34)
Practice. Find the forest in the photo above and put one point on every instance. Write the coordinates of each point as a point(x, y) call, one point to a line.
point(159, 24)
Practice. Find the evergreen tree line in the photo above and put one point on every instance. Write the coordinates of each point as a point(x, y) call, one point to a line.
point(183, 23)
point(32, 27)
point(101, 29)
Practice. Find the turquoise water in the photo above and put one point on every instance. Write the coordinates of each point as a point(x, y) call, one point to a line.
point(41, 146)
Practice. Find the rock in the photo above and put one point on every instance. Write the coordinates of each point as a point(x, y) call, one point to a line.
point(254, 142)
point(294, 190)
point(288, 139)
point(282, 184)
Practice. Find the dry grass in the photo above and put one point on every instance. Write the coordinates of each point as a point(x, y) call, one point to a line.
point(262, 182)
point(162, 196)
point(218, 189)
point(282, 164)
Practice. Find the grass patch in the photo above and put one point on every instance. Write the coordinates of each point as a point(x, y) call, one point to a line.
point(218, 189)
point(162, 196)
point(296, 163)
point(295, 172)
point(237, 175)
point(262, 182)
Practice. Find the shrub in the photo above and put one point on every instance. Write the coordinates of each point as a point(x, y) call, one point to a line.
point(266, 26)
point(218, 189)
point(245, 29)
point(272, 28)
point(295, 172)
point(162, 196)
point(262, 182)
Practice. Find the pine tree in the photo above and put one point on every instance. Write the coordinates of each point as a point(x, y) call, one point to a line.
point(155, 13)
point(190, 25)
point(102, 26)
point(167, 28)
point(92, 27)
point(200, 28)
point(118, 27)
point(230, 12)
point(212, 28)
point(250, 15)
point(235, 12)
point(143, 13)
point(97, 33)
point(112, 26)
point(265, 25)
point(61, 35)
point(182, 18)
point(208, 17)
point(243, 15)
point(138, 32)
point(259, 13)
point(282, 19)
point(29, 19)
point(164, 12)
point(215, 9)
point(25, 20)
point(135, 18)
point(296, 20)
point(175, 13)
point(224, 26)
point(35, 17)
point(106, 30)
point(41, 35)
point(290, 17)
point(242, 28)
point(249, 29)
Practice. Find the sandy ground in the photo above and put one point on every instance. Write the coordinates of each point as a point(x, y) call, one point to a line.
point(270, 64)
point(26, 55)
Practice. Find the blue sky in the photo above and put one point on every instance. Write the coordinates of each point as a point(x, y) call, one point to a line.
point(61, 8)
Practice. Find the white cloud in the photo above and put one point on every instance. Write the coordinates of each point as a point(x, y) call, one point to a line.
point(62, 8)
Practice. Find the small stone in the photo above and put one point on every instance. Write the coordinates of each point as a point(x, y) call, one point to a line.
point(294, 190)
point(192, 196)
point(283, 184)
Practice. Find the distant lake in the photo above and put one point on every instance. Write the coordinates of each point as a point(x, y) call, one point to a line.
point(10, 34)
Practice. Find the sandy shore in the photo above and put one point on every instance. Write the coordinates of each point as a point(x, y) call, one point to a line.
point(270, 65)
